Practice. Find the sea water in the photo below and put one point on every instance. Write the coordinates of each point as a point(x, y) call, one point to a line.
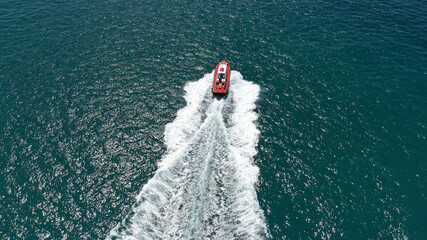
point(108, 128)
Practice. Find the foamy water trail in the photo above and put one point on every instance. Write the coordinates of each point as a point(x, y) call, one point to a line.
point(205, 184)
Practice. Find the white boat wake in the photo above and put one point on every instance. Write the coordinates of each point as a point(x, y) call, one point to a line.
point(205, 185)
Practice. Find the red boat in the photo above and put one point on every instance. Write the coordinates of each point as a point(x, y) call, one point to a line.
point(221, 79)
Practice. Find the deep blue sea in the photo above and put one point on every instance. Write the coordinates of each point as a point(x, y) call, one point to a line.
point(108, 127)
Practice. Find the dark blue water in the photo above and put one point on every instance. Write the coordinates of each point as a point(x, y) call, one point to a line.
point(323, 134)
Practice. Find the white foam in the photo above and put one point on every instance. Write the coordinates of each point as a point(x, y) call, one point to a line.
point(188, 119)
point(244, 136)
point(205, 184)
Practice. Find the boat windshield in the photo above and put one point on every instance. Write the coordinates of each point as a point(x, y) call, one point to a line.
point(221, 75)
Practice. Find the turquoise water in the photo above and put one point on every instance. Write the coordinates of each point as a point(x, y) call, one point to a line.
point(323, 134)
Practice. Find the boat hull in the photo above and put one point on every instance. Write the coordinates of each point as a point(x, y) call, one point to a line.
point(221, 79)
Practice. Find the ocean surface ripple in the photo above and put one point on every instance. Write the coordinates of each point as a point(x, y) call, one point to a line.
point(102, 116)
